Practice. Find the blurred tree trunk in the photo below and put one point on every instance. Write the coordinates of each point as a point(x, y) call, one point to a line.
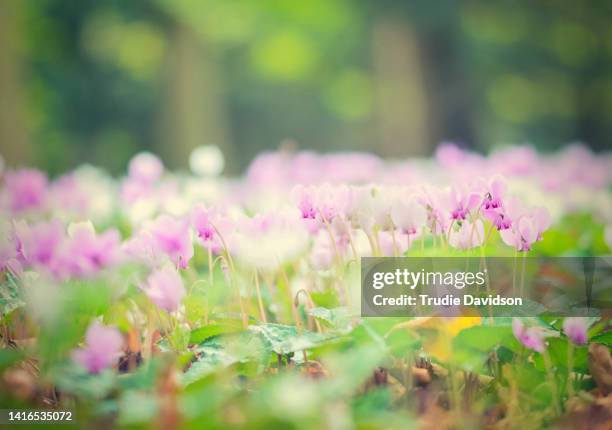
point(193, 110)
point(15, 146)
point(400, 91)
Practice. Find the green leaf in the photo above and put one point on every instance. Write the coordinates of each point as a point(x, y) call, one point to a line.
point(336, 318)
point(401, 342)
point(210, 358)
point(77, 381)
point(284, 339)
point(200, 334)
point(351, 368)
point(195, 307)
point(224, 351)
point(137, 407)
point(484, 338)
point(10, 356)
point(179, 338)
point(604, 338)
point(558, 349)
point(527, 377)
point(10, 295)
point(143, 378)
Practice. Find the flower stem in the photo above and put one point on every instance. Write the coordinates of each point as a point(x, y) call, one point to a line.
point(294, 312)
point(332, 239)
point(514, 272)
point(262, 312)
point(523, 273)
point(351, 242)
point(551, 381)
point(230, 263)
point(570, 368)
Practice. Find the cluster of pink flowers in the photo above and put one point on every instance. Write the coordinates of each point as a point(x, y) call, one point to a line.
point(455, 214)
point(534, 336)
point(306, 208)
point(327, 206)
point(62, 252)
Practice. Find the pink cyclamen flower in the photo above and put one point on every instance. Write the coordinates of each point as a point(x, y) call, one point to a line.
point(304, 198)
point(200, 218)
point(172, 237)
point(165, 288)
point(526, 229)
point(38, 244)
point(408, 215)
point(461, 202)
point(500, 211)
point(530, 337)
point(330, 201)
point(26, 189)
point(89, 252)
point(145, 168)
point(576, 329)
point(210, 225)
point(103, 348)
point(494, 194)
point(437, 215)
point(498, 218)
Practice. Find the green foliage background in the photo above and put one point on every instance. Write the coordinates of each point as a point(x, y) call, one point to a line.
point(96, 81)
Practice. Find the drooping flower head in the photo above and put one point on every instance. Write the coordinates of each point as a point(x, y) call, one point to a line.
point(408, 215)
point(38, 244)
point(212, 227)
point(165, 288)
point(532, 337)
point(200, 218)
point(576, 329)
point(438, 217)
point(89, 252)
point(461, 200)
point(320, 205)
point(527, 226)
point(494, 194)
point(25, 189)
point(304, 197)
point(102, 350)
point(172, 236)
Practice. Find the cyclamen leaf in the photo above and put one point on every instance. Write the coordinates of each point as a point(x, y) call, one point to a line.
point(285, 339)
point(210, 359)
point(603, 338)
point(200, 334)
point(10, 295)
point(73, 379)
point(9, 356)
point(336, 317)
point(485, 338)
point(224, 351)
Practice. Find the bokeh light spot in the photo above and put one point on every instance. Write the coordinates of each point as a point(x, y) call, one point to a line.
point(287, 55)
point(135, 47)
